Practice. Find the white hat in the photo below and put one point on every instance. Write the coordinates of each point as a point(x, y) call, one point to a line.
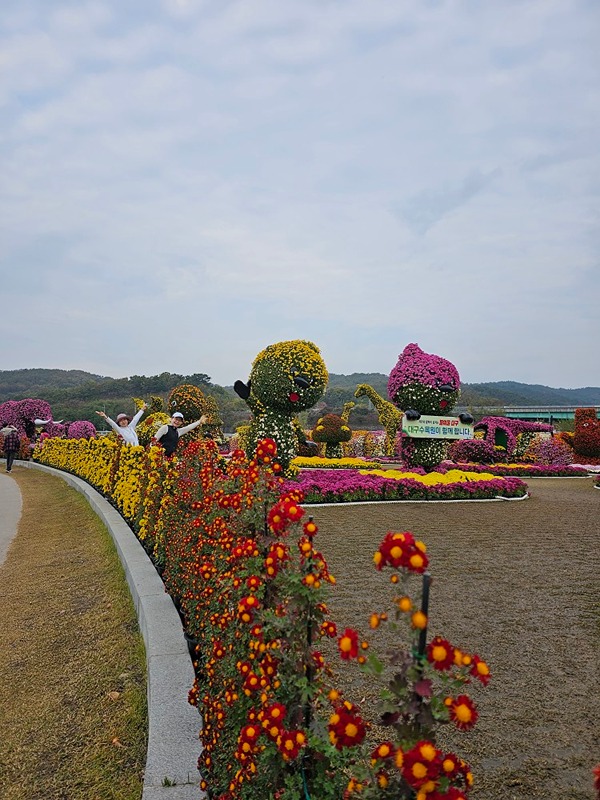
point(123, 416)
point(178, 414)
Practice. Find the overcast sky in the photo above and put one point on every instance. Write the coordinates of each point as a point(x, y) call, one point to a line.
point(184, 182)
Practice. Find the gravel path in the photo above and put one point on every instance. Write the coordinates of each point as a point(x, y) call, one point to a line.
point(10, 513)
point(519, 583)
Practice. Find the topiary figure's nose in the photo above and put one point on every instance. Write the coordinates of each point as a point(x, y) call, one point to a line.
point(301, 382)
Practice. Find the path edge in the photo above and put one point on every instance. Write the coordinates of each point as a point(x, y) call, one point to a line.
point(173, 724)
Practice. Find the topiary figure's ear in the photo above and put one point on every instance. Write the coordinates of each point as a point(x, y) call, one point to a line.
point(411, 414)
point(242, 389)
point(466, 418)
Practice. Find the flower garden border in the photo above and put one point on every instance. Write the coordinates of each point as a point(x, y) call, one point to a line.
point(172, 754)
point(405, 502)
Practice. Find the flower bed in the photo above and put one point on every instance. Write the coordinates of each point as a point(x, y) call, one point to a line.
point(348, 486)
point(522, 470)
point(237, 554)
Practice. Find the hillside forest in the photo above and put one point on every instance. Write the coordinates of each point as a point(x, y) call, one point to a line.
point(76, 394)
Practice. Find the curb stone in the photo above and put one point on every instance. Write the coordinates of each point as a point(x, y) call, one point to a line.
point(173, 747)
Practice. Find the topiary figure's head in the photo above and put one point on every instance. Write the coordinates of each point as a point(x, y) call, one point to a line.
point(289, 376)
point(188, 399)
point(427, 383)
point(331, 429)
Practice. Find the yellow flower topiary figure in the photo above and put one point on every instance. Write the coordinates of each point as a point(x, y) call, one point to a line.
point(286, 378)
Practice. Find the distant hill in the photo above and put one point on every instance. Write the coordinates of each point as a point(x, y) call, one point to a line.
point(17, 383)
point(76, 394)
point(497, 393)
point(512, 393)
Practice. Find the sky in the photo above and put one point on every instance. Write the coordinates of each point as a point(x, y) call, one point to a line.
point(183, 182)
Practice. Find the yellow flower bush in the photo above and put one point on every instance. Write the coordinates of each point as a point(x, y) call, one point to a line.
point(333, 463)
point(129, 480)
point(432, 478)
point(117, 470)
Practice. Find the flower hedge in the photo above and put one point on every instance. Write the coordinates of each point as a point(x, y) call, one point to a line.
point(522, 470)
point(22, 413)
point(237, 553)
point(81, 429)
point(517, 433)
point(472, 450)
point(333, 463)
point(586, 441)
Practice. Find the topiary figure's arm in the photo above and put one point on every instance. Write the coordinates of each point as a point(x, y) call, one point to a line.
point(244, 390)
point(299, 431)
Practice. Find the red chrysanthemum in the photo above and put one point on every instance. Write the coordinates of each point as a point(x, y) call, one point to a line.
point(348, 644)
point(400, 550)
point(421, 764)
point(383, 751)
point(440, 653)
point(290, 743)
point(329, 629)
point(596, 773)
point(463, 712)
point(346, 727)
point(480, 670)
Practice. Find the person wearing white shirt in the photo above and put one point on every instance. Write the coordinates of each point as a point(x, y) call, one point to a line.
point(125, 425)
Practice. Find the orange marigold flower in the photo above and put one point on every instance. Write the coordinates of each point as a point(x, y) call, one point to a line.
point(404, 603)
point(419, 620)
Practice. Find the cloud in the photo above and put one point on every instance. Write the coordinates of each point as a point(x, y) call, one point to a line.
point(359, 174)
point(426, 209)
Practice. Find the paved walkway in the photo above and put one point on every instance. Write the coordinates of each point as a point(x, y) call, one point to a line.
point(10, 512)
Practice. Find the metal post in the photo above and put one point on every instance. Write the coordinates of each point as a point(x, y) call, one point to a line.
point(425, 610)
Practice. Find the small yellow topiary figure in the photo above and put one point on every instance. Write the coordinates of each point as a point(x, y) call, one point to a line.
point(332, 430)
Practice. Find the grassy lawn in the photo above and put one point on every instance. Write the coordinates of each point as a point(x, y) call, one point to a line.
point(72, 666)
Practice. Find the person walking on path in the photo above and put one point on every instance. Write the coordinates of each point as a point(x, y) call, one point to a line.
point(11, 443)
point(168, 435)
point(125, 425)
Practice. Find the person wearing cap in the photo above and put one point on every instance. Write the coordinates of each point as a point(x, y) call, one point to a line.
point(11, 443)
point(168, 435)
point(125, 425)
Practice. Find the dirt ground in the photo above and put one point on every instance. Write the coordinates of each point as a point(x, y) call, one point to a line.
point(518, 583)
